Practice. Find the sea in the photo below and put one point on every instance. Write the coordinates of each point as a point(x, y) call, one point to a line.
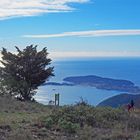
point(116, 68)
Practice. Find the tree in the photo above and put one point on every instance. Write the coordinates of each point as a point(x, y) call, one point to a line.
point(23, 72)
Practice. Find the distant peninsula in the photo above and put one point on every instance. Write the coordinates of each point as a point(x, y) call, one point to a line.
point(99, 83)
point(104, 83)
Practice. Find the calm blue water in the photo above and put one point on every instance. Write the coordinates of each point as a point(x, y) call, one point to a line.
point(117, 68)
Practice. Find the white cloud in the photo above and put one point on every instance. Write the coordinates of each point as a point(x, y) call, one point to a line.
point(19, 8)
point(91, 33)
point(74, 54)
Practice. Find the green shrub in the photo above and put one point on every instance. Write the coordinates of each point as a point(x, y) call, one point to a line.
point(68, 126)
point(48, 122)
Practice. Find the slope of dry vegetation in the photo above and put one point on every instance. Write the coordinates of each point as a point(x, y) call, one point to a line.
point(33, 121)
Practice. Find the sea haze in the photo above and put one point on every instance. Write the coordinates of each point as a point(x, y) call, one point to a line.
point(116, 68)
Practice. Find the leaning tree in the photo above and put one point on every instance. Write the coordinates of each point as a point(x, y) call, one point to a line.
point(24, 71)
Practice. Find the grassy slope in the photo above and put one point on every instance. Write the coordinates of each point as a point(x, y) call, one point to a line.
point(32, 121)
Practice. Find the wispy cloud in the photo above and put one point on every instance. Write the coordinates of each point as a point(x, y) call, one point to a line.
point(91, 33)
point(19, 8)
point(56, 55)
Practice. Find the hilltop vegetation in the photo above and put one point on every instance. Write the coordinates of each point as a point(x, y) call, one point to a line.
point(33, 121)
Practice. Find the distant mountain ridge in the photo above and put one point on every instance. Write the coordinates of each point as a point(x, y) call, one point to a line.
point(120, 100)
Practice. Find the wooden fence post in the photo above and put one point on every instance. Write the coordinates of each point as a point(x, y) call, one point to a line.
point(57, 99)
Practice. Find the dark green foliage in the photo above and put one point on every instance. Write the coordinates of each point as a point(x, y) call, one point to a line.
point(24, 71)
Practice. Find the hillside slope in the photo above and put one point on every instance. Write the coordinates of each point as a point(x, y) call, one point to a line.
point(33, 121)
point(120, 100)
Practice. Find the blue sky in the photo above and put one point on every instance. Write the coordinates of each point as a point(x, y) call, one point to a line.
point(72, 27)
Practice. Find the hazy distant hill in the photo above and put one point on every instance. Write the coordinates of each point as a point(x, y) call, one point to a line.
point(121, 99)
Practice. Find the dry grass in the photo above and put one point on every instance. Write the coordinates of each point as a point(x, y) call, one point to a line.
point(33, 121)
